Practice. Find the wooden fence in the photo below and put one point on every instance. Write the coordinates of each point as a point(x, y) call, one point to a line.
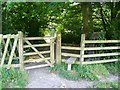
point(16, 48)
point(83, 48)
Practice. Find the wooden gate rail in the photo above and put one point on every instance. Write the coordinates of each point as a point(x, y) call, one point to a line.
point(39, 53)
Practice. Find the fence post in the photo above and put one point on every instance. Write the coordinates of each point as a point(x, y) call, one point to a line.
point(52, 50)
point(20, 45)
point(58, 48)
point(82, 48)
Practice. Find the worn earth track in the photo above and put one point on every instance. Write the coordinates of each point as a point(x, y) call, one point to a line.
point(41, 78)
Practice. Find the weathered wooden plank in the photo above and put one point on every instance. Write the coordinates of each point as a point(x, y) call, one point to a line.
point(70, 48)
point(52, 51)
point(36, 60)
point(71, 60)
point(58, 48)
point(34, 53)
point(1, 39)
point(36, 45)
point(13, 51)
point(65, 61)
point(38, 38)
point(69, 67)
point(5, 50)
point(100, 61)
point(20, 51)
point(12, 36)
point(101, 55)
point(13, 65)
point(102, 41)
point(4, 47)
point(102, 48)
point(82, 48)
point(11, 48)
point(37, 52)
point(72, 55)
point(37, 66)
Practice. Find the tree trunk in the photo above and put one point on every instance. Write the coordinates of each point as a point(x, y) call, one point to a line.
point(87, 18)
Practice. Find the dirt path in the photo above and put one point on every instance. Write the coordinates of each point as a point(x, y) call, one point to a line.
point(41, 78)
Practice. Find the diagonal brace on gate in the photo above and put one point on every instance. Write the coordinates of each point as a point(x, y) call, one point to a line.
point(5, 50)
point(38, 52)
point(13, 51)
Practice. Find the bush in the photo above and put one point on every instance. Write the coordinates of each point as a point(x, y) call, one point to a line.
point(12, 78)
point(89, 72)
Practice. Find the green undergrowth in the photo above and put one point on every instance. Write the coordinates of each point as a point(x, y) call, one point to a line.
point(113, 67)
point(12, 78)
point(107, 85)
point(89, 72)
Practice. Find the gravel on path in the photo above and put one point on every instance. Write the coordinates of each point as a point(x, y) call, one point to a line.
point(41, 78)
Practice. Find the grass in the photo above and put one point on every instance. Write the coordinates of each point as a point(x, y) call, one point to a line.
point(113, 67)
point(107, 85)
point(12, 78)
point(89, 72)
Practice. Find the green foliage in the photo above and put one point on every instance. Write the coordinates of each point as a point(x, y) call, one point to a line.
point(113, 67)
point(107, 85)
point(89, 72)
point(12, 78)
point(34, 19)
point(92, 72)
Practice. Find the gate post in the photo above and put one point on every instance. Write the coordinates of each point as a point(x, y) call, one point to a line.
point(82, 45)
point(58, 48)
point(20, 45)
point(52, 50)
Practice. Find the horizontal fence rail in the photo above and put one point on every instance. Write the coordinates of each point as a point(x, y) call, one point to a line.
point(102, 48)
point(70, 48)
point(102, 41)
point(83, 48)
